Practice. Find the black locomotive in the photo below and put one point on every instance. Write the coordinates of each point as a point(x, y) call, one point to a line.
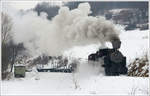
point(114, 61)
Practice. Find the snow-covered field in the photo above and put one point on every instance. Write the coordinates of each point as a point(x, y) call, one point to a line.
point(134, 44)
point(67, 83)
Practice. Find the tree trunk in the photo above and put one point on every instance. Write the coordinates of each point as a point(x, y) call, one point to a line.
point(13, 58)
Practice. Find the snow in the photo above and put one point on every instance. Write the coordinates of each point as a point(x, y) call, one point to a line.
point(64, 83)
point(116, 11)
point(133, 44)
point(20, 65)
point(45, 83)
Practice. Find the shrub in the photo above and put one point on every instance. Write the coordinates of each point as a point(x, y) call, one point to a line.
point(139, 67)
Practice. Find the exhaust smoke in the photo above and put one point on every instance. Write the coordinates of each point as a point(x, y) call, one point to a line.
point(67, 29)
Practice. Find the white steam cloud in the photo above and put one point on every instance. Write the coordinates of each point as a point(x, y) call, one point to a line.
point(67, 29)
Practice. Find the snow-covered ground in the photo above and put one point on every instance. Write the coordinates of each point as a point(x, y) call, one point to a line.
point(134, 44)
point(68, 83)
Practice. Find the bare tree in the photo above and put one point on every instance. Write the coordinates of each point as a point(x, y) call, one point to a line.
point(10, 50)
point(6, 28)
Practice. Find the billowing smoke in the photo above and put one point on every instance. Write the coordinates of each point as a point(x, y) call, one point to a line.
point(67, 29)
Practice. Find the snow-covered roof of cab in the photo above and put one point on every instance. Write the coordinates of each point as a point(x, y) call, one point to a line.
point(20, 65)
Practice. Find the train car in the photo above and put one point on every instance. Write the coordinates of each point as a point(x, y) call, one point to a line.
point(19, 71)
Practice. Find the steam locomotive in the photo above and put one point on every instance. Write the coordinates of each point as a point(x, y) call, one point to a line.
point(114, 61)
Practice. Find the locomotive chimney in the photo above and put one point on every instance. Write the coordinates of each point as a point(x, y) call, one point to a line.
point(116, 43)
